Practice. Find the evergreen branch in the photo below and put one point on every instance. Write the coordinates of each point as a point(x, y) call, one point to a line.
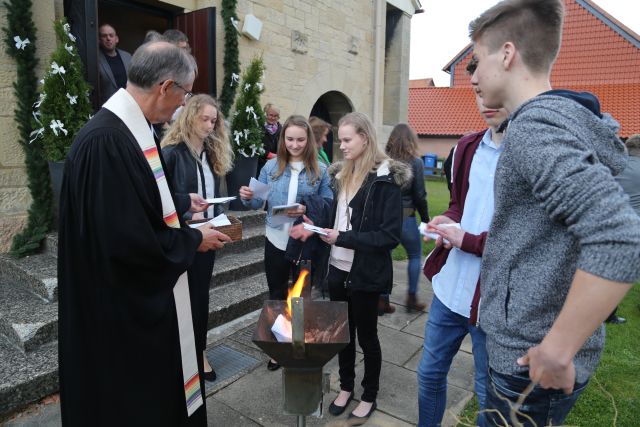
point(231, 63)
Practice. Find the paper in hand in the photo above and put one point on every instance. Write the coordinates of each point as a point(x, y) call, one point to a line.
point(313, 228)
point(431, 234)
point(218, 221)
point(260, 189)
point(279, 214)
point(220, 200)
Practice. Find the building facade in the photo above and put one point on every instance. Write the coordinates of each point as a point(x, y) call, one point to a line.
point(324, 58)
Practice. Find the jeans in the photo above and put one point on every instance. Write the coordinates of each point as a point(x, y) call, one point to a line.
point(411, 241)
point(443, 334)
point(541, 407)
point(363, 319)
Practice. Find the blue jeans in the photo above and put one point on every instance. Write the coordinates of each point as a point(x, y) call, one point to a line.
point(541, 407)
point(443, 335)
point(411, 241)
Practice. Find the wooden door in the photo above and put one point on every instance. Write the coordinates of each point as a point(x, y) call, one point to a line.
point(200, 27)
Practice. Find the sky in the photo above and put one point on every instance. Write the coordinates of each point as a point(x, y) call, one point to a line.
point(442, 31)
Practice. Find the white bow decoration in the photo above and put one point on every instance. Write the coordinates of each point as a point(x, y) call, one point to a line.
point(68, 49)
point(58, 69)
point(21, 44)
point(36, 134)
point(38, 103)
point(246, 133)
point(234, 79)
point(234, 22)
point(57, 125)
point(72, 99)
point(67, 31)
point(236, 136)
point(247, 86)
point(249, 111)
point(260, 86)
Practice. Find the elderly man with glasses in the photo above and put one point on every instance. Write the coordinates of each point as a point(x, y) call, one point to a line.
point(126, 344)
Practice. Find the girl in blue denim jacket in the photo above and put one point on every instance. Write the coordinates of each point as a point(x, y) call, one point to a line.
point(292, 175)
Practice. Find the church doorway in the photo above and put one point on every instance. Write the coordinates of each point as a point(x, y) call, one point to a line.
point(331, 107)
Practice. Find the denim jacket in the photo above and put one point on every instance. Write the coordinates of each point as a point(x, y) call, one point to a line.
point(280, 187)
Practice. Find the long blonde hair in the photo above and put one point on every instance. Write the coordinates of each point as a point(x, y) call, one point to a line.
point(309, 154)
point(216, 144)
point(354, 173)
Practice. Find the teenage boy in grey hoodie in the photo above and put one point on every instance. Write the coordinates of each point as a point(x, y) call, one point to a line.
point(564, 244)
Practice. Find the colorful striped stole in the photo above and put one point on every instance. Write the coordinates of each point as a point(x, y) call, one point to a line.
point(125, 107)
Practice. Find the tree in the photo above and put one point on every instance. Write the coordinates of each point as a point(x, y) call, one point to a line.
point(64, 106)
point(248, 120)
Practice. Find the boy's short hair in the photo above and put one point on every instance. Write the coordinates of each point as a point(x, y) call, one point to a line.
point(534, 26)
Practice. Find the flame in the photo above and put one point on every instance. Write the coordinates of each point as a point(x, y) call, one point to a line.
point(296, 290)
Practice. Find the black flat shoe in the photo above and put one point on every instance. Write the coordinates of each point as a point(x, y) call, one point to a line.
point(356, 420)
point(210, 376)
point(273, 366)
point(336, 410)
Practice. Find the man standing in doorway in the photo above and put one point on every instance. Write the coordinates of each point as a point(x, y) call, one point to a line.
point(114, 63)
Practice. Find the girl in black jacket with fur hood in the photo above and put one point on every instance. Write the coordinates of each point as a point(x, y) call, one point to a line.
point(367, 218)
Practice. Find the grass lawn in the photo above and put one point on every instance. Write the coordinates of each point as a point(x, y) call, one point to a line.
point(612, 397)
point(438, 201)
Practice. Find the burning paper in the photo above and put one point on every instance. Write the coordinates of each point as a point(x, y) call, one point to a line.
point(282, 329)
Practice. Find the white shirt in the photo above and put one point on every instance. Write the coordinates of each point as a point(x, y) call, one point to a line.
point(342, 258)
point(209, 181)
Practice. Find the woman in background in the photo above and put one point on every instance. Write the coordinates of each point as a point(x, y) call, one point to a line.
point(321, 130)
point(403, 146)
point(367, 223)
point(198, 155)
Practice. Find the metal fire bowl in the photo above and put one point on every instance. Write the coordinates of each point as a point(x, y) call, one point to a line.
point(332, 317)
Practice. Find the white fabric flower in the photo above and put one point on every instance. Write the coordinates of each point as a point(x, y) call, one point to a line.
point(57, 125)
point(72, 99)
point(21, 44)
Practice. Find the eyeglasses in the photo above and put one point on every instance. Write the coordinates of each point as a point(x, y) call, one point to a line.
point(187, 94)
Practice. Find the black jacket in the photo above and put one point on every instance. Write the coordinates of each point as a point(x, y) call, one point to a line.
point(182, 170)
point(415, 196)
point(376, 225)
point(319, 211)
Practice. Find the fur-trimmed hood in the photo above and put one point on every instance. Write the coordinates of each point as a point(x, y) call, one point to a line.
point(399, 172)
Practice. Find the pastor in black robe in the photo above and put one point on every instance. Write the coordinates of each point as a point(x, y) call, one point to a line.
point(119, 349)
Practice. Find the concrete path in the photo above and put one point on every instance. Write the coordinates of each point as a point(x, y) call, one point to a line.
point(253, 396)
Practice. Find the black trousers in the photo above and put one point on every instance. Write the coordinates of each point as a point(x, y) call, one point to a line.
point(201, 271)
point(363, 320)
point(279, 270)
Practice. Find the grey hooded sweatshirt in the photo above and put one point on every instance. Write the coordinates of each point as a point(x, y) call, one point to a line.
point(557, 209)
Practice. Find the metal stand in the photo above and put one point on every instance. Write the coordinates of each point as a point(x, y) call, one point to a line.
point(302, 422)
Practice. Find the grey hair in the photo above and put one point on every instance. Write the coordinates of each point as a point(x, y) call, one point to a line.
point(157, 61)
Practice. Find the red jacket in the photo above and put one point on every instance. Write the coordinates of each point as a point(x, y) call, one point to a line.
point(472, 243)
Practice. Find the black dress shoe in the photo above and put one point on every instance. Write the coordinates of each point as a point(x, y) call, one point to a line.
point(336, 410)
point(210, 376)
point(273, 366)
point(356, 420)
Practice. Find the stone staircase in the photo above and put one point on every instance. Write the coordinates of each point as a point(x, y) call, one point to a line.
point(29, 309)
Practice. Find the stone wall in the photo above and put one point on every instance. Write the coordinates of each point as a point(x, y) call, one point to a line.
point(309, 48)
point(14, 194)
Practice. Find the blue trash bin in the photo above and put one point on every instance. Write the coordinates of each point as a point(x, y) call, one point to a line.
point(430, 161)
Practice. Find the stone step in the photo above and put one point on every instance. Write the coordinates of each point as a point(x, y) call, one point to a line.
point(229, 269)
point(252, 234)
point(37, 273)
point(27, 320)
point(235, 299)
point(26, 377)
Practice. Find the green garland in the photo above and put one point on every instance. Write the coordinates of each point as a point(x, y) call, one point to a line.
point(248, 120)
point(20, 29)
point(231, 62)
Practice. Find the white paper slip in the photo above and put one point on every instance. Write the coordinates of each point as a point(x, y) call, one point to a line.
point(260, 189)
point(283, 209)
point(220, 200)
point(432, 235)
point(220, 220)
point(313, 228)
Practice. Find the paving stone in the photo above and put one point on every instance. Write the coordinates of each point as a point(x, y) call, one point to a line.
point(26, 319)
point(416, 327)
point(398, 320)
point(397, 347)
point(220, 414)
